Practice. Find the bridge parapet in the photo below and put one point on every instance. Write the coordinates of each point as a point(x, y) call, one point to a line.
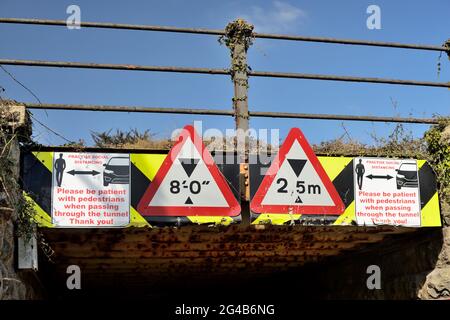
point(15, 214)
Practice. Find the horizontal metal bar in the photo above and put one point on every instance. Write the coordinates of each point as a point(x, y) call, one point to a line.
point(290, 75)
point(352, 42)
point(129, 67)
point(341, 117)
point(106, 25)
point(226, 113)
point(83, 107)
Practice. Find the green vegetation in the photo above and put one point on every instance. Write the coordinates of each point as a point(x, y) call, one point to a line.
point(438, 146)
point(13, 200)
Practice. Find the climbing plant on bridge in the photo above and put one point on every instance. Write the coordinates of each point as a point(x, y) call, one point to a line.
point(13, 202)
point(438, 142)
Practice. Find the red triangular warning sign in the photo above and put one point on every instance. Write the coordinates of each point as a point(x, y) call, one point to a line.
point(188, 183)
point(296, 182)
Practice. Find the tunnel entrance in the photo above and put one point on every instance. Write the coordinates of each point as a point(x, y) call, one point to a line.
point(315, 262)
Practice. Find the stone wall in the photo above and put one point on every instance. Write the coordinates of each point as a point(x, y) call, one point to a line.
point(437, 284)
point(413, 266)
point(14, 284)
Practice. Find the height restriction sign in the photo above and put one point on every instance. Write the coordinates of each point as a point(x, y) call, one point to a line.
point(296, 182)
point(189, 183)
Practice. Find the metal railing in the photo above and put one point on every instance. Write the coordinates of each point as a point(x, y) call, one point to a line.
point(290, 75)
point(224, 112)
point(106, 25)
point(237, 112)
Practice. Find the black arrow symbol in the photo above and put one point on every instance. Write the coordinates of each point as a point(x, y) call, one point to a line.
point(74, 172)
point(371, 176)
point(297, 165)
point(189, 165)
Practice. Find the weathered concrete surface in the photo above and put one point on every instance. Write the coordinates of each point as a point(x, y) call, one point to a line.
point(167, 260)
point(14, 285)
point(15, 119)
point(304, 263)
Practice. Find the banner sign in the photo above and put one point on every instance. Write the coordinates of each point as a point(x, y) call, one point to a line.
point(91, 189)
point(188, 185)
point(387, 191)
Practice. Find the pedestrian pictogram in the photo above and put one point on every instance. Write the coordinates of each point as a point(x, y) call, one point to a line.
point(296, 182)
point(188, 183)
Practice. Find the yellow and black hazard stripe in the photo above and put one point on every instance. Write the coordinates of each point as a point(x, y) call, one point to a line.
point(37, 184)
point(144, 168)
point(429, 199)
point(37, 168)
point(340, 172)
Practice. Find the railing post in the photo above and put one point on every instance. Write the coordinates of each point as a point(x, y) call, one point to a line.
point(447, 47)
point(238, 38)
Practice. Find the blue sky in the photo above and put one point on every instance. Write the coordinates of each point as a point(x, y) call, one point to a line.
point(402, 21)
